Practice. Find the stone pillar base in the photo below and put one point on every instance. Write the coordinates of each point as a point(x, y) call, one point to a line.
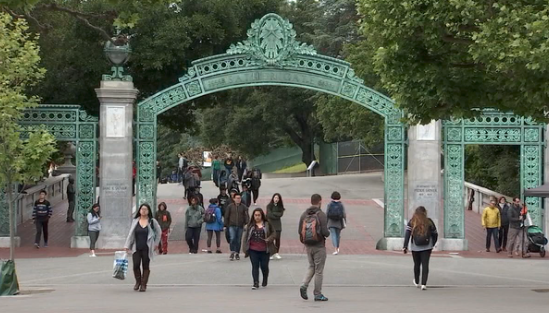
point(390, 244)
point(5, 242)
point(80, 242)
point(449, 244)
point(111, 242)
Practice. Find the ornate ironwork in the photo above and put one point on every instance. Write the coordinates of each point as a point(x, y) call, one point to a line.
point(69, 123)
point(272, 56)
point(494, 128)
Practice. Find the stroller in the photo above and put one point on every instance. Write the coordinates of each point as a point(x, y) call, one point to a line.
point(536, 240)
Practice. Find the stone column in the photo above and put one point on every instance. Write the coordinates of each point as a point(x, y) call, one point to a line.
point(116, 157)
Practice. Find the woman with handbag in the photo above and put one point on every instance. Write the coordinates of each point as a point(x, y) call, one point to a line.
point(142, 242)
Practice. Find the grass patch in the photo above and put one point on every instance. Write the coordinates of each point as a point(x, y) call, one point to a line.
point(298, 168)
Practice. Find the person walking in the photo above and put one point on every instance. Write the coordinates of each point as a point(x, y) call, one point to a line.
point(259, 246)
point(229, 163)
point(256, 177)
point(158, 172)
point(194, 217)
point(491, 221)
point(134, 174)
point(275, 211)
point(41, 214)
point(223, 200)
point(424, 235)
point(164, 219)
point(313, 230)
point(516, 223)
point(503, 207)
point(214, 224)
point(216, 167)
point(71, 197)
point(241, 167)
point(142, 242)
point(336, 220)
point(94, 227)
point(246, 195)
point(236, 216)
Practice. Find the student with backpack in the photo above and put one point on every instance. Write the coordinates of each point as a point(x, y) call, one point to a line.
point(423, 232)
point(194, 217)
point(313, 230)
point(164, 218)
point(256, 177)
point(336, 220)
point(214, 224)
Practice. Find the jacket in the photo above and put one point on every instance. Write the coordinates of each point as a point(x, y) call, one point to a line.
point(269, 237)
point(194, 216)
point(491, 218)
point(514, 216)
point(42, 210)
point(224, 201)
point(152, 240)
point(164, 219)
point(503, 212)
point(218, 224)
point(339, 224)
point(94, 222)
point(236, 215)
point(408, 235)
point(274, 213)
point(322, 219)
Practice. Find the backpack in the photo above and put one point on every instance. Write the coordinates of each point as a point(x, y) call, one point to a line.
point(210, 217)
point(310, 230)
point(422, 239)
point(335, 211)
point(194, 181)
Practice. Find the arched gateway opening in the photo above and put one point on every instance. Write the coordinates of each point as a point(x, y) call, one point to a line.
point(271, 56)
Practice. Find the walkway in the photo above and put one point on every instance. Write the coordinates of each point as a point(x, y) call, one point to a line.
point(364, 229)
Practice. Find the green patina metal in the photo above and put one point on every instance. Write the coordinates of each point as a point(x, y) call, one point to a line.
point(490, 128)
point(271, 56)
point(67, 123)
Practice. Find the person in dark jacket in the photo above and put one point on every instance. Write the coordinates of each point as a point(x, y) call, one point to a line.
point(275, 211)
point(41, 214)
point(215, 226)
point(236, 216)
point(258, 245)
point(223, 200)
point(316, 249)
point(504, 229)
point(194, 217)
point(516, 220)
point(71, 197)
point(246, 195)
point(336, 223)
point(241, 167)
point(164, 218)
point(423, 233)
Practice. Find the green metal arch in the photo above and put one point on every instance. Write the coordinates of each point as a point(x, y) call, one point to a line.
point(272, 57)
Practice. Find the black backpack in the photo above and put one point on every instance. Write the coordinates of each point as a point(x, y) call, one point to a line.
point(422, 239)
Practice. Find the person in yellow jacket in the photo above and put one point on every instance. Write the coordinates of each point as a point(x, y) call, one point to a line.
point(491, 221)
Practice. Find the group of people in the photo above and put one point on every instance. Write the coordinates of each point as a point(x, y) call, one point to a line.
point(503, 222)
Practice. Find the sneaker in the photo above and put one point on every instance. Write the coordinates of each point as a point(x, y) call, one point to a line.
point(232, 256)
point(498, 250)
point(415, 284)
point(321, 297)
point(92, 255)
point(209, 251)
point(255, 203)
point(165, 252)
point(277, 256)
point(237, 257)
point(423, 287)
point(218, 251)
point(487, 250)
point(303, 292)
point(37, 246)
point(335, 253)
point(526, 255)
point(45, 245)
point(255, 286)
point(272, 258)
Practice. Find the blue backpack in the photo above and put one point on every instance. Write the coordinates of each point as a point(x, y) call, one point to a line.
point(335, 211)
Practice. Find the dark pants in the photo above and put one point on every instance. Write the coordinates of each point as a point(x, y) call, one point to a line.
point(41, 226)
point(255, 194)
point(193, 237)
point(240, 174)
point(133, 186)
point(93, 238)
point(492, 232)
point(421, 261)
point(70, 211)
point(503, 234)
point(277, 240)
point(215, 177)
point(141, 256)
point(217, 238)
point(259, 259)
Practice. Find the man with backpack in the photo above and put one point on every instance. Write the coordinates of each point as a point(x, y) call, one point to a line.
point(256, 183)
point(313, 230)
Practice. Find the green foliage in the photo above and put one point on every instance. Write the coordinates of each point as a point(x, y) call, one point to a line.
point(494, 167)
point(443, 58)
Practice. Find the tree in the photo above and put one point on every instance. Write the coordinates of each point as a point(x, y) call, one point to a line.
point(21, 159)
point(439, 59)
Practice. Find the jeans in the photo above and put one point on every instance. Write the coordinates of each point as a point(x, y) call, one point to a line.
point(193, 237)
point(259, 259)
point(141, 256)
point(335, 234)
point(217, 238)
point(235, 234)
point(41, 226)
point(492, 232)
point(421, 259)
point(503, 234)
point(317, 259)
point(93, 238)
